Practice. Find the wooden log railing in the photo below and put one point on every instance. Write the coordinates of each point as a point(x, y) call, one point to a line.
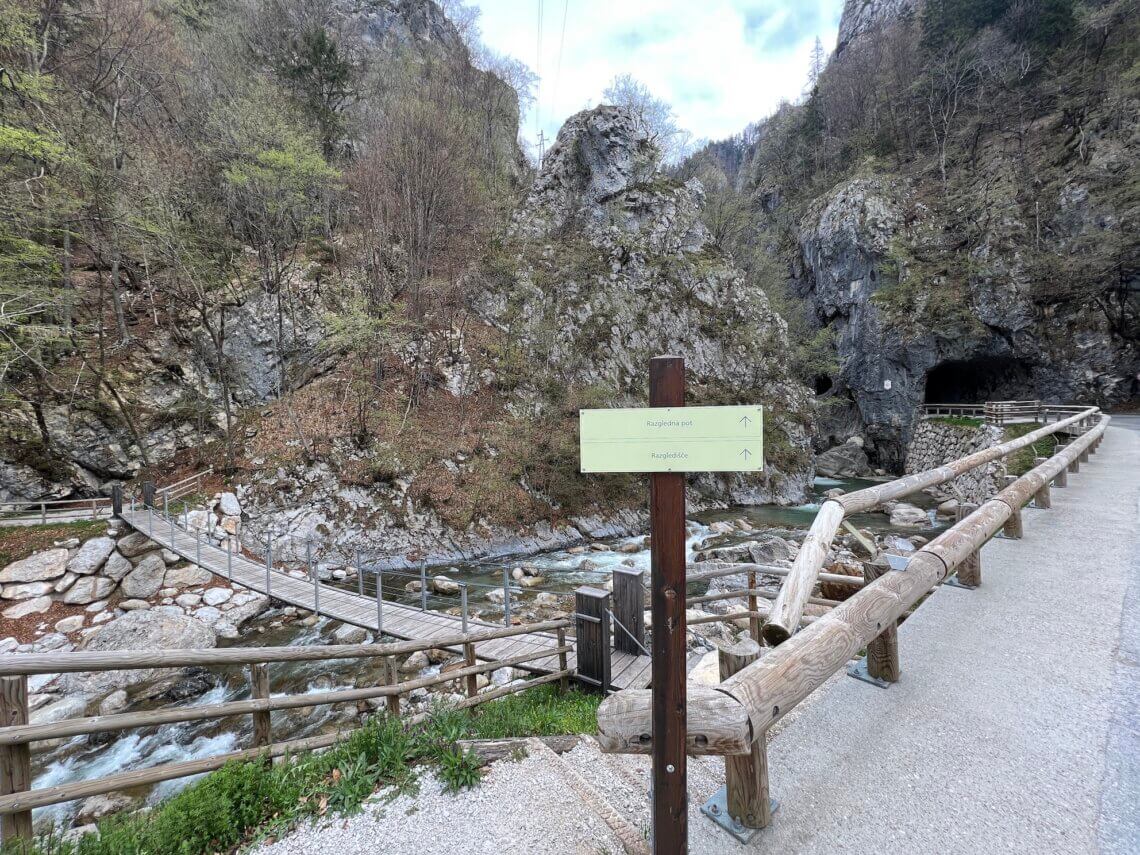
point(17, 799)
point(787, 611)
point(733, 718)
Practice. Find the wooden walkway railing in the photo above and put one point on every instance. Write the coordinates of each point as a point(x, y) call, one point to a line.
point(733, 718)
point(1006, 412)
point(18, 799)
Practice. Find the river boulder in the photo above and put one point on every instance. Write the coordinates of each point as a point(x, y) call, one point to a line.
point(144, 631)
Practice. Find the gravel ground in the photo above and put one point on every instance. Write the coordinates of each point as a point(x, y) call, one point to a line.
point(520, 807)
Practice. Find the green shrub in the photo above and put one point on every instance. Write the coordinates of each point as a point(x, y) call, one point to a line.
point(234, 805)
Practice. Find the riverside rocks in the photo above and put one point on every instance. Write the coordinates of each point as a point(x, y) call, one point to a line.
point(88, 589)
point(91, 556)
point(139, 630)
point(42, 566)
point(844, 461)
point(146, 579)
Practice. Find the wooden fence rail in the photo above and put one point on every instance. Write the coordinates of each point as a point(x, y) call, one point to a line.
point(733, 718)
point(788, 609)
point(17, 799)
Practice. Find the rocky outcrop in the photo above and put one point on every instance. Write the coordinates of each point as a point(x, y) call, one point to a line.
point(843, 461)
point(990, 341)
point(609, 265)
point(861, 16)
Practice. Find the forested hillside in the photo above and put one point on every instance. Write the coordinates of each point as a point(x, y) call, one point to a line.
point(287, 238)
point(952, 212)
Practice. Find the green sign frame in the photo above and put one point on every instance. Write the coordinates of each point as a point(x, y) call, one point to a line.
point(672, 439)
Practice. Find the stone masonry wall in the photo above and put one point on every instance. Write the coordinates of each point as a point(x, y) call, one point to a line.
point(936, 443)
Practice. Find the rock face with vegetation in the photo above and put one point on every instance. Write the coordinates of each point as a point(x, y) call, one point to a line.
point(954, 210)
point(608, 264)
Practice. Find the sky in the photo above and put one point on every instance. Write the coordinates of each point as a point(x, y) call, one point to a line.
point(722, 64)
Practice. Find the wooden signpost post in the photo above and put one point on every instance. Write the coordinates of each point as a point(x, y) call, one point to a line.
point(668, 440)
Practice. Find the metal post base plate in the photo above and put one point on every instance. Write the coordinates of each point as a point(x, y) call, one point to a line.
point(954, 583)
point(716, 809)
point(858, 670)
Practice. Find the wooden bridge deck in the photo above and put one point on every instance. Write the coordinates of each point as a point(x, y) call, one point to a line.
point(400, 621)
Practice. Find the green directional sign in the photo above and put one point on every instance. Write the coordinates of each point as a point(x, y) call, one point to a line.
point(672, 439)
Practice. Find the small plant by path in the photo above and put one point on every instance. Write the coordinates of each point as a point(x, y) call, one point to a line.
point(244, 803)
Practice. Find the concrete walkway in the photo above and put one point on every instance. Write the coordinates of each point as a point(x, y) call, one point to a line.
point(1016, 725)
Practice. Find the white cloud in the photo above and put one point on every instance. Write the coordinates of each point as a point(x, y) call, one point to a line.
point(721, 63)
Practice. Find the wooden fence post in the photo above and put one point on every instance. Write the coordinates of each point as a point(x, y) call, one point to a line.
point(883, 650)
point(667, 601)
point(629, 610)
point(469, 661)
point(15, 760)
point(1013, 528)
point(1042, 499)
point(755, 625)
point(392, 678)
point(259, 688)
point(564, 682)
point(969, 570)
point(1062, 478)
point(746, 775)
point(592, 627)
point(148, 494)
point(1075, 466)
point(117, 500)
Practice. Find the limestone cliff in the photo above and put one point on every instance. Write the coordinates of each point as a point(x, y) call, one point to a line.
point(607, 264)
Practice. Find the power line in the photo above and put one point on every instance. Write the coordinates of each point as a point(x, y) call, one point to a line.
point(558, 68)
point(538, 71)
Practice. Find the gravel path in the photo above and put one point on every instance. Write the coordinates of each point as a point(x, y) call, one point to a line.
point(520, 807)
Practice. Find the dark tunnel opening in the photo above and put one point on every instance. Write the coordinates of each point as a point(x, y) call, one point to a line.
point(974, 381)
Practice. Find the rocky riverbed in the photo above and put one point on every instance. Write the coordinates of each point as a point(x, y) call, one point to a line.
point(120, 591)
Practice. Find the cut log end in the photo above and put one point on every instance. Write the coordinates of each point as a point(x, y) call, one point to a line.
point(775, 634)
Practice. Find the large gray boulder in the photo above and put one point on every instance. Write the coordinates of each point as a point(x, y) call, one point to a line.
point(187, 576)
point(88, 589)
point(91, 556)
point(844, 461)
point(147, 631)
point(116, 567)
point(135, 544)
point(146, 579)
point(49, 564)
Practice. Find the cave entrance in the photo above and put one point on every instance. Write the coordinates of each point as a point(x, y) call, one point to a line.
point(975, 381)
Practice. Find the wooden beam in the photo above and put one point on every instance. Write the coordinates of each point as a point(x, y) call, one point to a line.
point(717, 723)
point(667, 597)
point(15, 761)
point(787, 612)
point(259, 690)
point(53, 663)
point(746, 775)
point(883, 649)
point(970, 569)
point(488, 751)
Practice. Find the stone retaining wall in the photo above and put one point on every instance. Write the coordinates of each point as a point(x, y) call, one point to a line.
point(936, 443)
